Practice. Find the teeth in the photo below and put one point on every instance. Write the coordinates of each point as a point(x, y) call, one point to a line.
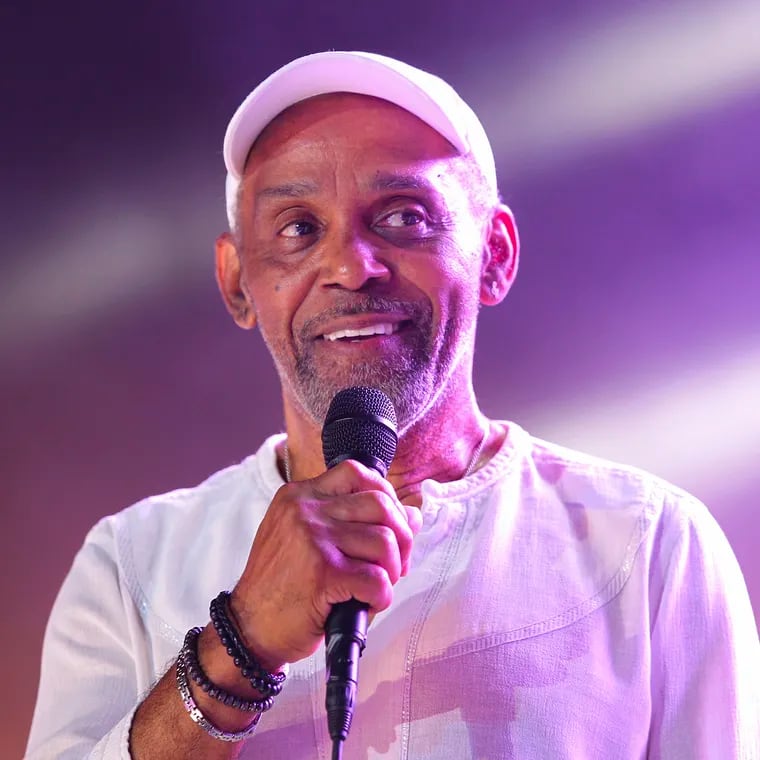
point(381, 329)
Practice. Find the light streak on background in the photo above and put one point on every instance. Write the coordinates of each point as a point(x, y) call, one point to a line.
point(604, 81)
point(689, 422)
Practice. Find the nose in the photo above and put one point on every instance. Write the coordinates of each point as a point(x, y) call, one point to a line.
point(352, 261)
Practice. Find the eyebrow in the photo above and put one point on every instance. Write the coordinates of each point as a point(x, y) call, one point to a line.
point(288, 190)
point(385, 181)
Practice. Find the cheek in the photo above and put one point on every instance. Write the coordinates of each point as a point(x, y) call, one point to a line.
point(450, 280)
point(458, 301)
point(277, 286)
point(274, 306)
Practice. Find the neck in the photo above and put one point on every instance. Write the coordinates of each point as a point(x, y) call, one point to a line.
point(439, 445)
point(442, 447)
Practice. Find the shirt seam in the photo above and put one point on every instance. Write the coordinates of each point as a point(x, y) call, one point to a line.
point(562, 620)
point(416, 633)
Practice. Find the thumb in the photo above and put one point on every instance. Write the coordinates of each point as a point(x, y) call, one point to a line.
point(414, 518)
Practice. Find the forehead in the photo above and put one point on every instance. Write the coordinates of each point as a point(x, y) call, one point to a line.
point(346, 128)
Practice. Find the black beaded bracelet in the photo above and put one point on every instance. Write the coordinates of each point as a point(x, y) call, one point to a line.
point(188, 656)
point(268, 684)
point(200, 719)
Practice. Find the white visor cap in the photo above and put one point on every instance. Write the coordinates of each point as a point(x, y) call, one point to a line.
point(426, 96)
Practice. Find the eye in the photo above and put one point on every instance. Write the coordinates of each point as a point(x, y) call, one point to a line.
point(299, 228)
point(403, 218)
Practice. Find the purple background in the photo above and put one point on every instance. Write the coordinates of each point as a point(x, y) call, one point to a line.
point(627, 143)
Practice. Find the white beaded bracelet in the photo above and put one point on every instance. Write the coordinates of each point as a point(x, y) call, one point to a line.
point(195, 713)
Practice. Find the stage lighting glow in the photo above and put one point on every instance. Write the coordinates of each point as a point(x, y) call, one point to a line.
point(698, 426)
point(645, 66)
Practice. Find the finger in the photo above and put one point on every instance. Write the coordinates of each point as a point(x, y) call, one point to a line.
point(365, 581)
point(373, 508)
point(351, 476)
point(376, 544)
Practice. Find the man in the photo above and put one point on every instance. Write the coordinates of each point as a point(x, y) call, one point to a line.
point(527, 601)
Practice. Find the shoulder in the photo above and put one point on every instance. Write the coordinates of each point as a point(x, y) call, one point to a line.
point(250, 482)
point(177, 549)
point(616, 510)
point(605, 484)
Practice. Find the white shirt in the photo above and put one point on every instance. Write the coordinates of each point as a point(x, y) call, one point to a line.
point(558, 606)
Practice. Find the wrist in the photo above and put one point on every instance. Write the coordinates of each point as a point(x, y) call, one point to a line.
point(271, 660)
point(219, 668)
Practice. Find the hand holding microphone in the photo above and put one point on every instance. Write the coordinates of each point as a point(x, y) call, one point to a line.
point(340, 536)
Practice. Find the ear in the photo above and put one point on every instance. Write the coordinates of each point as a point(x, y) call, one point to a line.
point(501, 255)
point(228, 278)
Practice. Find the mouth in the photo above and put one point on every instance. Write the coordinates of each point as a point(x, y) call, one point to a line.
point(361, 333)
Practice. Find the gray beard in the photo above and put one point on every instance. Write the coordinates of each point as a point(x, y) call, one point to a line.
point(407, 378)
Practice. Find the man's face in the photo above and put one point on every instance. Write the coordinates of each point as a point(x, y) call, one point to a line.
point(360, 254)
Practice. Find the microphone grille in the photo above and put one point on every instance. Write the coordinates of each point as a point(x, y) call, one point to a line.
point(360, 421)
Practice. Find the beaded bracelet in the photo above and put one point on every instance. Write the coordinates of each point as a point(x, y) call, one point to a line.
point(198, 717)
point(268, 684)
point(189, 655)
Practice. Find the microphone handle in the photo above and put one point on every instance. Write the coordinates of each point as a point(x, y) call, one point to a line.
point(345, 637)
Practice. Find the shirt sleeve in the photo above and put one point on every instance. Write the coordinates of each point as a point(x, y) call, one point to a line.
point(705, 649)
point(88, 686)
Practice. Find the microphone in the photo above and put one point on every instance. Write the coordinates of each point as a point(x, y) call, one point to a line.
point(360, 425)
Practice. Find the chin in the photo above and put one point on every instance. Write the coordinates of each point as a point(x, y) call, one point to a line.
point(411, 391)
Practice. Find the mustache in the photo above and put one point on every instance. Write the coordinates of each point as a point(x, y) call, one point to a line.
point(411, 310)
